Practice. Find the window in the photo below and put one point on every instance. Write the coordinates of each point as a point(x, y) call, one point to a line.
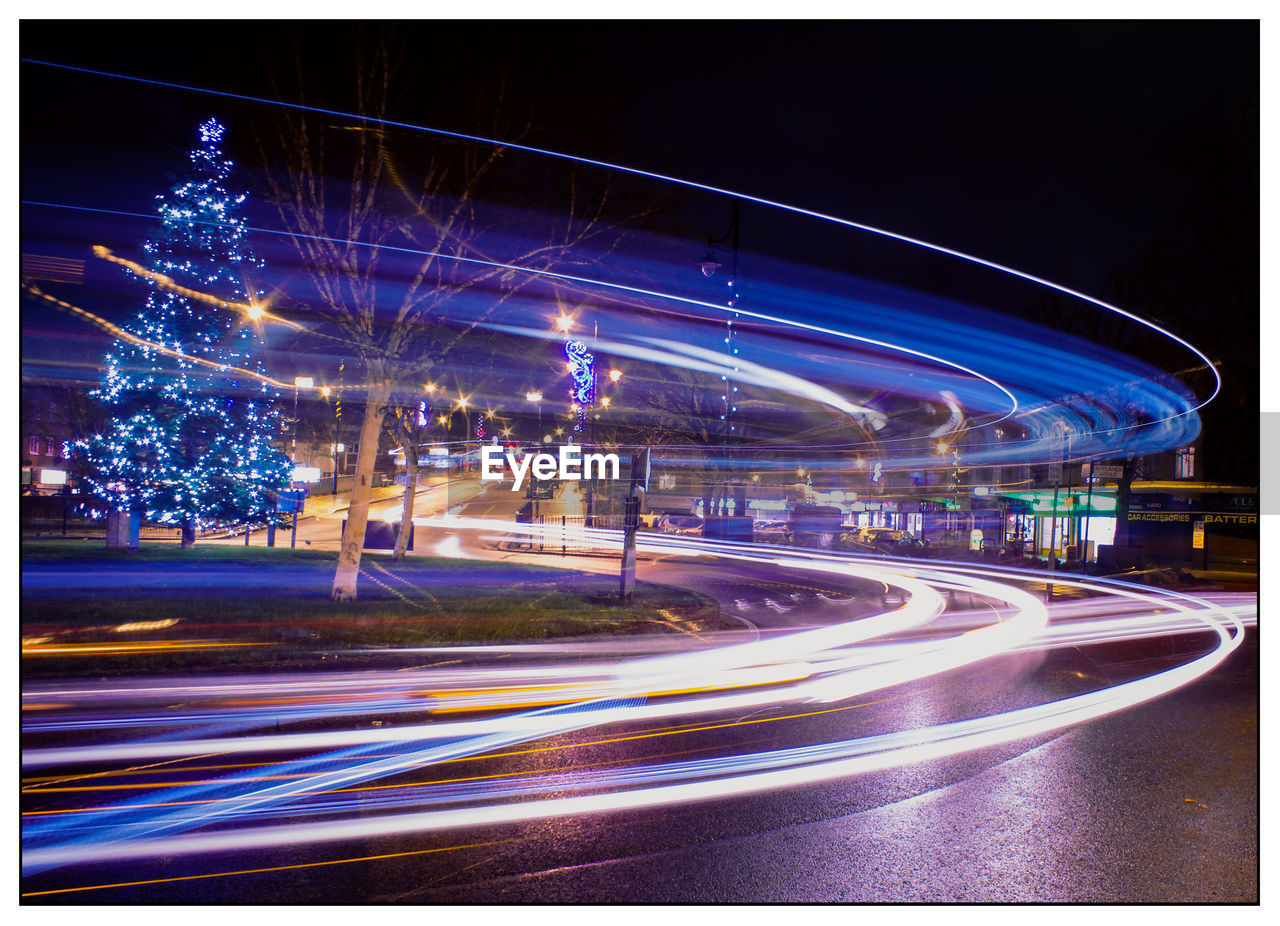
point(33, 445)
point(1185, 466)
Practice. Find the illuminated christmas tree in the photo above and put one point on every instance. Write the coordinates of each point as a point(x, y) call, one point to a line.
point(191, 416)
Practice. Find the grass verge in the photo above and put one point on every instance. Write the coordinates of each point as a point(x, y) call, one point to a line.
point(90, 611)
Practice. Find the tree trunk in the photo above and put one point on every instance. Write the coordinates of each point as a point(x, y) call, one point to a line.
point(188, 533)
point(410, 489)
point(348, 571)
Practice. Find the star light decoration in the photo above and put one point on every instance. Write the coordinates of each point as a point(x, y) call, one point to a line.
point(182, 443)
point(582, 368)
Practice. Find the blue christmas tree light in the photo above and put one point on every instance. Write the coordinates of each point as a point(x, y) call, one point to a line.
point(186, 442)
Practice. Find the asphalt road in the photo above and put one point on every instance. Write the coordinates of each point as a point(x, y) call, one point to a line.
point(1155, 803)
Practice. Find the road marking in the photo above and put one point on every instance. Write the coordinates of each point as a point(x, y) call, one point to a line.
point(254, 871)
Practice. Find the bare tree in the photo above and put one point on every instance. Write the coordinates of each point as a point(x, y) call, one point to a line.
point(353, 234)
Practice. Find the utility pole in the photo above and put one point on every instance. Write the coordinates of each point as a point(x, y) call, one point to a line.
point(631, 521)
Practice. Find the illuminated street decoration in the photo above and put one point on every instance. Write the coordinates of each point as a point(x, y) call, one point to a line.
point(582, 367)
point(191, 417)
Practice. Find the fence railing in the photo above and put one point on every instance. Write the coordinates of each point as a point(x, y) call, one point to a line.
point(51, 516)
point(565, 534)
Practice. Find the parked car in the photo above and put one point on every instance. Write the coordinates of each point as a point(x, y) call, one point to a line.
point(651, 519)
point(881, 535)
point(680, 524)
point(849, 542)
point(771, 531)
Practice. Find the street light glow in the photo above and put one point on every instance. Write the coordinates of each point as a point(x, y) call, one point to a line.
point(304, 382)
point(533, 396)
point(615, 375)
point(564, 323)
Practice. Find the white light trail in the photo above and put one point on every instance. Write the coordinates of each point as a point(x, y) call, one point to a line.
point(822, 664)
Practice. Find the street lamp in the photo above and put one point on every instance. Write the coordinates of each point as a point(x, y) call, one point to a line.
point(299, 382)
point(615, 375)
point(536, 397)
point(337, 449)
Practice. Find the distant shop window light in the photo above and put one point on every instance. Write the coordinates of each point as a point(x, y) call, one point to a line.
point(306, 474)
point(1186, 463)
point(53, 477)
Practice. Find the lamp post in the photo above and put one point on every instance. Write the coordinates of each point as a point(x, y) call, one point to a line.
point(337, 436)
point(299, 382)
point(466, 427)
point(536, 397)
point(338, 448)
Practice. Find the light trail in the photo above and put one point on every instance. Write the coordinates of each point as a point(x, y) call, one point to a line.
point(666, 178)
point(824, 664)
point(118, 332)
point(709, 361)
point(257, 871)
point(484, 711)
point(251, 310)
point(1161, 407)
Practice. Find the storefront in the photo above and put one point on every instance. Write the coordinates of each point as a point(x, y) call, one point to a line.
point(1062, 523)
point(1198, 528)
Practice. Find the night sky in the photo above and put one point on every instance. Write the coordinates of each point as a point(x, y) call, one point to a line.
point(1119, 159)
